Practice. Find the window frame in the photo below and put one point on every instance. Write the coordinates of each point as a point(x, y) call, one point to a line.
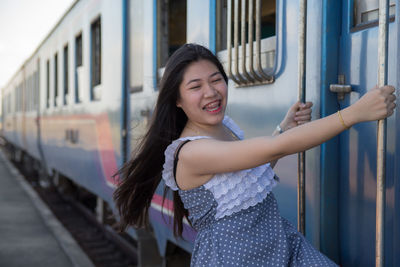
point(55, 73)
point(78, 54)
point(95, 56)
point(65, 74)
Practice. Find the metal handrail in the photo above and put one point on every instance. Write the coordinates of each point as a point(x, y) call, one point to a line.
point(301, 209)
point(229, 42)
point(381, 138)
point(243, 43)
point(250, 30)
point(236, 41)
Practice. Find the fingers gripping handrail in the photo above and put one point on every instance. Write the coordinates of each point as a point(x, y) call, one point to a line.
point(381, 138)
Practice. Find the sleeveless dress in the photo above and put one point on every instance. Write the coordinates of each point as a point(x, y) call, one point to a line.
point(237, 218)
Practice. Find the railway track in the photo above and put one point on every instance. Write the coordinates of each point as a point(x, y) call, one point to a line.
point(100, 242)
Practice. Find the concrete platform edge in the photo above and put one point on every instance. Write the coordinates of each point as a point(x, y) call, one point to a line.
point(63, 237)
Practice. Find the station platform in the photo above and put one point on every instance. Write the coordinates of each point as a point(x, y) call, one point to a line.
point(30, 235)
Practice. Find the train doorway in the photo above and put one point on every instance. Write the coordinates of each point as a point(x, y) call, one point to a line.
point(357, 156)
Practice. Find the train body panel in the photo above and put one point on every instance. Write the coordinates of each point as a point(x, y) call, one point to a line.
point(81, 127)
point(78, 128)
point(358, 62)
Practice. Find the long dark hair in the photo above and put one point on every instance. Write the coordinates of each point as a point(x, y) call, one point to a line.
point(142, 173)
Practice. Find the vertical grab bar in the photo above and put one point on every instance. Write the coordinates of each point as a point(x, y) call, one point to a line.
point(381, 138)
point(301, 97)
point(229, 42)
point(243, 42)
point(236, 41)
point(251, 24)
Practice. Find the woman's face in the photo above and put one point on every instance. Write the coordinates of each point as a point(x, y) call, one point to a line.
point(203, 93)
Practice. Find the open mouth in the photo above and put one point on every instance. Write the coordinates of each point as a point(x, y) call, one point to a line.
point(213, 107)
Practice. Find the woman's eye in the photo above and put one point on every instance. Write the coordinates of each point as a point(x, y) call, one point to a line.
point(216, 80)
point(195, 87)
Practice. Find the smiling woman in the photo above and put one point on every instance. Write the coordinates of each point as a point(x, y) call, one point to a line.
point(221, 184)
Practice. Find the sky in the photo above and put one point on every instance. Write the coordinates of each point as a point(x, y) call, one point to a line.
point(23, 26)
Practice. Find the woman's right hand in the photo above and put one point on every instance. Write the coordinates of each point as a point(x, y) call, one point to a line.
point(376, 104)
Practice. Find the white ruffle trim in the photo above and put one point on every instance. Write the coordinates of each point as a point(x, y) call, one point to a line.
point(233, 191)
point(240, 190)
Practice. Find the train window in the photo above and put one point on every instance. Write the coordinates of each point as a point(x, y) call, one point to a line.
point(16, 97)
point(95, 34)
point(37, 85)
point(28, 98)
point(25, 98)
point(47, 84)
point(366, 13)
point(28, 94)
point(15, 106)
point(19, 98)
point(136, 46)
point(250, 25)
point(55, 79)
point(65, 75)
point(78, 66)
point(171, 28)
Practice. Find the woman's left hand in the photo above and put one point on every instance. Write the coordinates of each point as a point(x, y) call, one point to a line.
point(297, 114)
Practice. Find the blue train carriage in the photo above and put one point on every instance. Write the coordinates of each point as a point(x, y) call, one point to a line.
point(97, 74)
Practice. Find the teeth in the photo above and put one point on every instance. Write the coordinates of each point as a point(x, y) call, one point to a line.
point(213, 106)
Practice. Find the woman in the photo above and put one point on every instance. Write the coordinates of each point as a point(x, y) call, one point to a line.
point(222, 183)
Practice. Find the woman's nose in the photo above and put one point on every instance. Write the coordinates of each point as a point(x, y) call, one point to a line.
point(209, 90)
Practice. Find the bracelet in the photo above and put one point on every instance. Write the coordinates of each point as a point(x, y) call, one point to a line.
point(342, 121)
point(279, 129)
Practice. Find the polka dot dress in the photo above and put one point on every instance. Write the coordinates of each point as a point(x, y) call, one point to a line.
point(238, 221)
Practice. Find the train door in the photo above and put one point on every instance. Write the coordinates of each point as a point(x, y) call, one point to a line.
point(357, 66)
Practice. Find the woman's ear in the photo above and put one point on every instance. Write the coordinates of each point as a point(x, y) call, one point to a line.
point(178, 103)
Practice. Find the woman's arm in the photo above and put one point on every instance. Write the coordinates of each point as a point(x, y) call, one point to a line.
point(206, 157)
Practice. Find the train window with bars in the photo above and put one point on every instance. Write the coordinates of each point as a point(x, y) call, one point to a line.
point(78, 67)
point(366, 13)
point(95, 34)
point(55, 79)
point(171, 28)
point(65, 75)
point(238, 22)
point(47, 84)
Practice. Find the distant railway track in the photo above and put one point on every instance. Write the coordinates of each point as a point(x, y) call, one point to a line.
point(100, 242)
